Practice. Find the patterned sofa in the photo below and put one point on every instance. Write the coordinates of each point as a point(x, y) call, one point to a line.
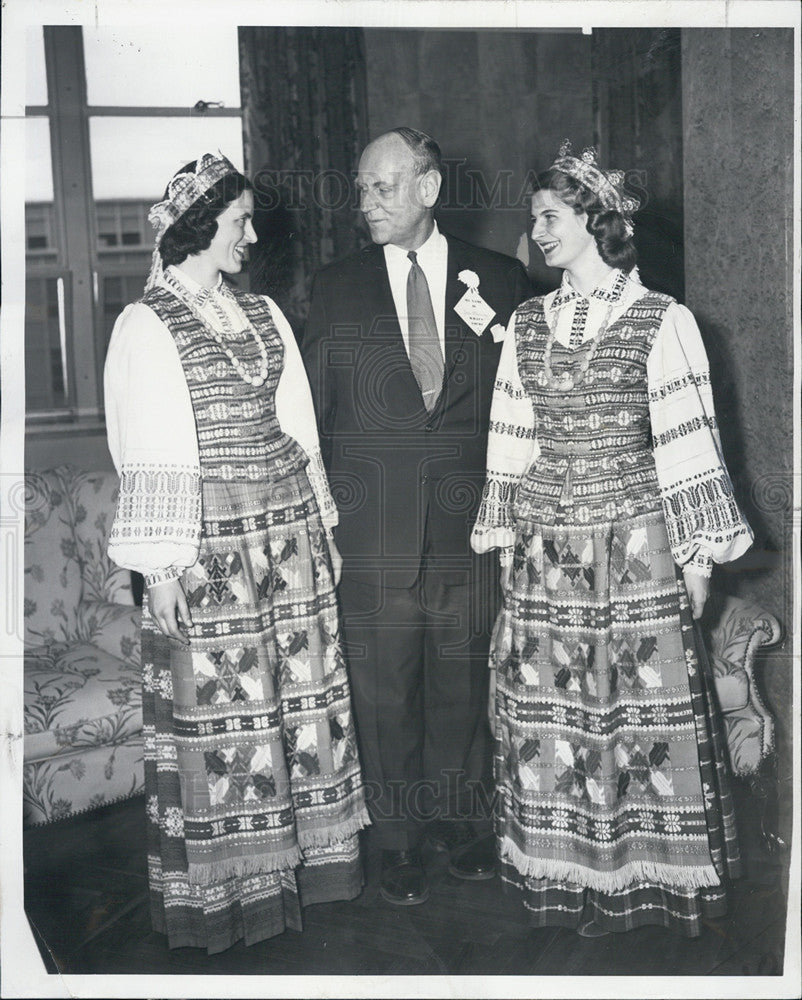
point(82, 703)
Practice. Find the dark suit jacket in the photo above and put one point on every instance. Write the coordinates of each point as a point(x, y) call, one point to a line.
point(402, 477)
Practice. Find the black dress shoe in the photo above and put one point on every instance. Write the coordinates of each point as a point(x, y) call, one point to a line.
point(403, 880)
point(471, 856)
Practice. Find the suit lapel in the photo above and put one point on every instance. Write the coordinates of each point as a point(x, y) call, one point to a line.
point(375, 288)
point(456, 329)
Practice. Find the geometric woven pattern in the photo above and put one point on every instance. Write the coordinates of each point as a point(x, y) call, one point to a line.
point(251, 768)
point(609, 767)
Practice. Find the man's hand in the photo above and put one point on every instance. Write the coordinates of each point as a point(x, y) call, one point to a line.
point(698, 588)
point(168, 605)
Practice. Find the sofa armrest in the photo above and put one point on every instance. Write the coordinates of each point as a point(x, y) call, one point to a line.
point(114, 628)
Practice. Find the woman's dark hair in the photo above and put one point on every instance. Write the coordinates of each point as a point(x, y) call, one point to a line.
point(606, 226)
point(195, 230)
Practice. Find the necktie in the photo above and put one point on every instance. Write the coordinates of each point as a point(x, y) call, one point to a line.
point(425, 355)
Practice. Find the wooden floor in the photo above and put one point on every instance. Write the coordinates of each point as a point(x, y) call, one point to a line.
point(86, 900)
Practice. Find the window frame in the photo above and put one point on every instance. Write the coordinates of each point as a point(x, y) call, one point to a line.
point(79, 258)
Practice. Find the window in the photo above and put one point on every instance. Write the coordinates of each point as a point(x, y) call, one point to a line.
point(100, 130)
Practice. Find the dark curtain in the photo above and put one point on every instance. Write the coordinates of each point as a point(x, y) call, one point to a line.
point(305, 123)
point(637, 98)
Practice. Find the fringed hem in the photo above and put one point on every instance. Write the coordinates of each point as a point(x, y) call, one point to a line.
point(335, 833)
point(675, 876)
point(209, 872)
point(263, 864)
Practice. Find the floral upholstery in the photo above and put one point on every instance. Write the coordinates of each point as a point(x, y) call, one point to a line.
point(78, 698)
point(94, 495)
point(52, 568)
point(739, 629)
point(83, 702)
point(114, 628)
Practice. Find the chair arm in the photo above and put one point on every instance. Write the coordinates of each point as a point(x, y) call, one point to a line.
point(741, 629)
point(766, 633)
point(114, 628)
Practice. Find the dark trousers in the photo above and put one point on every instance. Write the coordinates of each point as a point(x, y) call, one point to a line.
point(418, 664)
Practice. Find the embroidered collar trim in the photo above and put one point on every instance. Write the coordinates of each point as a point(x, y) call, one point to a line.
point(610, 290)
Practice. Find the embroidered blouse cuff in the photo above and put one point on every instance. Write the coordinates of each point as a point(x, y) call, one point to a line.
point(162, 576)
point(483, 539)
point(701, 562)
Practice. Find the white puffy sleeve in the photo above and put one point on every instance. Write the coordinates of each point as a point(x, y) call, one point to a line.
point(296, 416)
point(703, 520)
point(154, 447)
point(511, 449)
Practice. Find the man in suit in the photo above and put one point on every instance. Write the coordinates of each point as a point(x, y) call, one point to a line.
point(402, 345)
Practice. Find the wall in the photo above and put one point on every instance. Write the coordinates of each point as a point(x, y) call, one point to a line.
point(738, 255)
point(85, 448)
point(499, 104)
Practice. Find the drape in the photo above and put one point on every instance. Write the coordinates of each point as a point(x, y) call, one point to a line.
point(304, 100)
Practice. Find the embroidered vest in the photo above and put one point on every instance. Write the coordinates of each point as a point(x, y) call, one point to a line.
point(239, 436)
point(596, 462)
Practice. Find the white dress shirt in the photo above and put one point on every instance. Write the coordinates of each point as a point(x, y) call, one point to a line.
point(433, 259)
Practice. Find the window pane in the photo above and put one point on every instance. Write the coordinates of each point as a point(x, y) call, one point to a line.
point(38, 168)
point(40, 230)
point(136, 157)
point(45, 377)
point(124, 223)
point(154, 67)
point(35, 74)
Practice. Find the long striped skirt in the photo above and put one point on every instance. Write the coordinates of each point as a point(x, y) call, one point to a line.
point(613, 788)
point(253, 786)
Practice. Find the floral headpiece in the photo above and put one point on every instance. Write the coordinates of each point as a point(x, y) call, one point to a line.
point(607, 185)
point(183, 191)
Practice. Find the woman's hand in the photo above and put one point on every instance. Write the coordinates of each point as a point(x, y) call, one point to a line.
point(505, 556)
point(698, 587)
point(168, 605)
point(336, 558)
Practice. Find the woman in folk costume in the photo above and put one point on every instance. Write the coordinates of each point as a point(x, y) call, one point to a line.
point(253, 788)
point(607, 495)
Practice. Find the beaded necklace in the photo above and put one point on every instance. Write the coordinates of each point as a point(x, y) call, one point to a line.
point(256, 378)
point(566, 381)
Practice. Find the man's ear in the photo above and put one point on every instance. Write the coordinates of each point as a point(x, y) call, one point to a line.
point(429, 187)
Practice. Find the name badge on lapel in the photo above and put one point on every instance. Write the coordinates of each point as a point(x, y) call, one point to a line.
point(472, 308)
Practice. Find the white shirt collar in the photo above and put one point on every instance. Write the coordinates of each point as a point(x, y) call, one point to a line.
point(435, 246)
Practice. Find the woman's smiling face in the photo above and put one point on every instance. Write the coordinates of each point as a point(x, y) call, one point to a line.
point(234, 233)
point(559, 231)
